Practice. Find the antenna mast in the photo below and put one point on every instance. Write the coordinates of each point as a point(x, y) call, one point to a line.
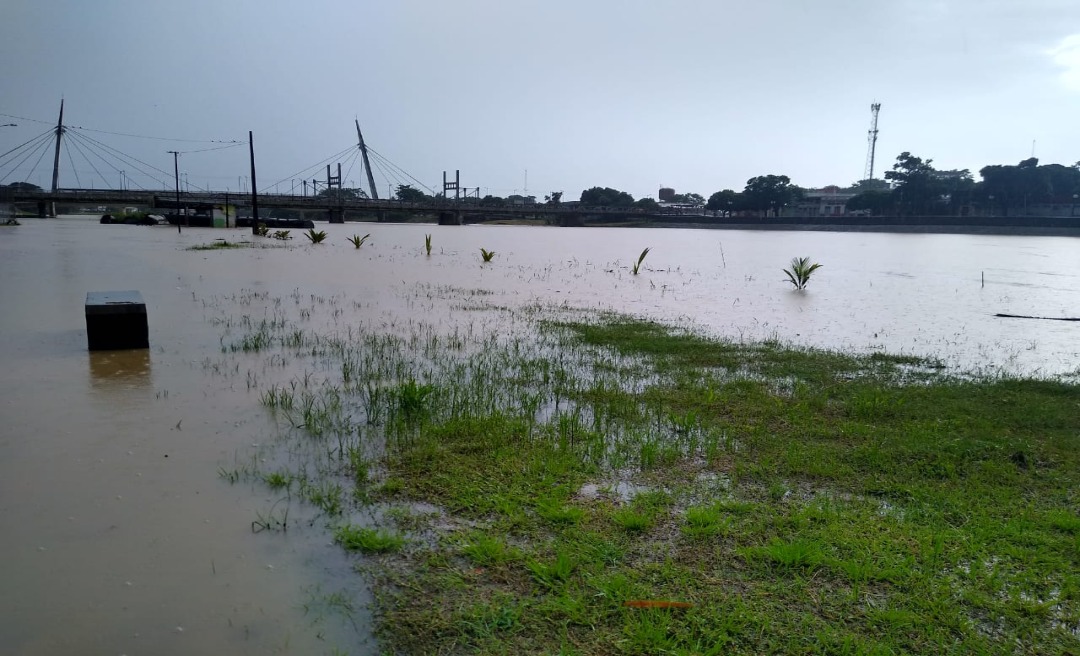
point(367, 164)
point(871, 137)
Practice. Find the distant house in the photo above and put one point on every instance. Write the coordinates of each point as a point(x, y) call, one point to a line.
point(827, 201)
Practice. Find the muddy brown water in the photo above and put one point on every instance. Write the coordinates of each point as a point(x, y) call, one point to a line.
point(119, 536)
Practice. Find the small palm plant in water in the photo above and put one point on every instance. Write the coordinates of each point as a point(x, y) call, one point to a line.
point(316, 236)
point(486, 255)
point(427, 244)
point(801, 270)
point(358, 241)
point(637, 265)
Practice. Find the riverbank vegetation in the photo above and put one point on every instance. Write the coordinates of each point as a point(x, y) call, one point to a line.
point(556, 482)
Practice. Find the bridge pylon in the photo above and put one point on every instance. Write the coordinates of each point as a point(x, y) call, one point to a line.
point(51, 210)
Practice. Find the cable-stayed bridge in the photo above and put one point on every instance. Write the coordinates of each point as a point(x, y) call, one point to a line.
point(82, 155)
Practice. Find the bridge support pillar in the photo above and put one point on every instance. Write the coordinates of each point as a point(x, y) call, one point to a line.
point(43, 209)
point(570, 221)
point(337, 215)
point(449, 218)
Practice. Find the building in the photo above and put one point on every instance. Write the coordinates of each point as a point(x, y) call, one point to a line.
point(827, 201)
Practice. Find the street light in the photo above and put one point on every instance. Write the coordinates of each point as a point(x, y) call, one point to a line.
point(1072, 210)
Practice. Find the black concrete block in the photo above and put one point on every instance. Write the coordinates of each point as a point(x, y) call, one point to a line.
point(116, 320)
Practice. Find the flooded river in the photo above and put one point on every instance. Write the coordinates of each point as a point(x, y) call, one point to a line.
point(122, 533)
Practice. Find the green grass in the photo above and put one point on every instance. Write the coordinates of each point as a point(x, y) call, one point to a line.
point(368, 540)
point(486, 550)
point(802, 501)
point(632, 520)
point(220, 245)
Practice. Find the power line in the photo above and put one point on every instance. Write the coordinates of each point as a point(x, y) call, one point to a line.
point(302, 173)
point(126, 134)
point(23, 118)
point(206, 150)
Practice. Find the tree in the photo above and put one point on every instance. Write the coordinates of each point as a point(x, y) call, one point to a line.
point(554, 198)
point(874, 202)
point(647, 204)
point(694, 200)
point(769, 193)
point(723, 201)
point(22, 186)
point(915, 183)
point(341, 193)
point(876, 184)
point(1027, 183)
point(606, 197)
point(406, 193)
point(492, 201)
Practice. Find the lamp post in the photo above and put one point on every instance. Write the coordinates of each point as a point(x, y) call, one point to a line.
point(991, 204)
point(1072, 210)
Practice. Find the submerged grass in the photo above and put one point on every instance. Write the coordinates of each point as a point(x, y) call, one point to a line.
point(798, 500)
point(220, 244)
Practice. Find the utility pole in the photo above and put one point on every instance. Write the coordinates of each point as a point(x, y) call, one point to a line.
point(176, 174)
point(254, 194)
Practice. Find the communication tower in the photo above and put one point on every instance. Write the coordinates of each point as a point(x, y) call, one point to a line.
point(872, 139)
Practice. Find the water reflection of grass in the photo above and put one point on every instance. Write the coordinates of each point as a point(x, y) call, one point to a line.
point(801, 501)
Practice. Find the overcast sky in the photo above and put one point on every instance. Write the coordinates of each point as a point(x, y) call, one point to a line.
point(699, 95)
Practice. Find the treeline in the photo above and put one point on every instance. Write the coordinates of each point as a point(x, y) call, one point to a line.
point(912, 187)
point(918, 188)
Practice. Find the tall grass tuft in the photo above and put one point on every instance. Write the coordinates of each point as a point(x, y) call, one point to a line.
point(315, 236)
point(800, 271)
point(427, 245)
point(637, 265)
point(486, 254)
point(358, 241)
point(368, 540)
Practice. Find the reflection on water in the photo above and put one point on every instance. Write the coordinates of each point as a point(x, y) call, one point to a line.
point(127, 369)
point(120, 536)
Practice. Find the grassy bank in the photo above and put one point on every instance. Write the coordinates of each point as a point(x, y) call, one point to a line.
point(613, 486)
